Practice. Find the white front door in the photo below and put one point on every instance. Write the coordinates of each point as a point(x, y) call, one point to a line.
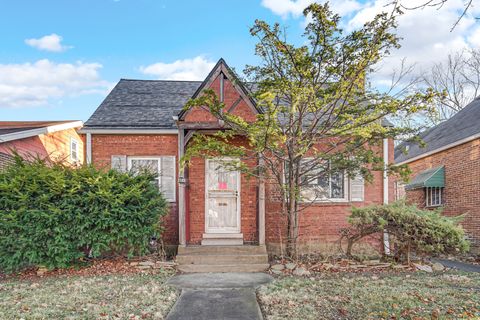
point(222, 198)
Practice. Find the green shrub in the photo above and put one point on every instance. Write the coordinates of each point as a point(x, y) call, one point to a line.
point(410, 229)
point(55, 216)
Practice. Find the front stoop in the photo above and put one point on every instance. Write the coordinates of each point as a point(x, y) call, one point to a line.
point(222, 259)
point(222, 239)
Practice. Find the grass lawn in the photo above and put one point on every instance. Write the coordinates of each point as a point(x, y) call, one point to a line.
point(384, 296)
point(116, 296)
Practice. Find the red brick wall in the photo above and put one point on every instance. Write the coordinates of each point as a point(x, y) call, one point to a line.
point(104, 146)
point(320, 223)
point(231, 96)
point(462, 184)
point(416, 196)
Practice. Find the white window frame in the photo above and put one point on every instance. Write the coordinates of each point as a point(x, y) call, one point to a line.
point(429, 192)
point(72, 142)
point(346, 190)
point(159, 178)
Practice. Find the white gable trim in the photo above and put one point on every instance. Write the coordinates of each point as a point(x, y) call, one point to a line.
point(38, 131)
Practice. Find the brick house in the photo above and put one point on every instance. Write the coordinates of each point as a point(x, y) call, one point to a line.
point(142, 123)
point(446, 172)
point(53, 140)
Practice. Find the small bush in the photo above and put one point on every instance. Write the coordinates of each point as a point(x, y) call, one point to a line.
point(55, 216)
point(410, 228)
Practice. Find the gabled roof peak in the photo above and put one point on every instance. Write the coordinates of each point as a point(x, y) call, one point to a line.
point(222, 67)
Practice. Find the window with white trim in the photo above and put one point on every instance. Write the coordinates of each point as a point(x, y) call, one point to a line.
point(325, 186)
point(434, 196)
point(162, 167)
point(73, 150)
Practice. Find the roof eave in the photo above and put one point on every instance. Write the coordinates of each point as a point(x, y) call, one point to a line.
point(445, 147)
point(128, 130)
point(38, 131)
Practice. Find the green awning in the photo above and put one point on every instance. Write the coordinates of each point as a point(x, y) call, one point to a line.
point(434, 177)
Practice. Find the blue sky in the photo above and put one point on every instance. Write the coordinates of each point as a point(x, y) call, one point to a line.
point(58, 59)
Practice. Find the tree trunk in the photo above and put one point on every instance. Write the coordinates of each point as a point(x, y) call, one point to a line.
point(292, 224)
point(408, 253)
point(292, 235)
point(350, 243)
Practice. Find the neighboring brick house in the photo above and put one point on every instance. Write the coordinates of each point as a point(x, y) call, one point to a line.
point(52, 140)
point(142, 123)
point(446, 172)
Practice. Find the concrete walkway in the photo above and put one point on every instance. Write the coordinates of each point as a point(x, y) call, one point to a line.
point(462, 266)
point(217, 296)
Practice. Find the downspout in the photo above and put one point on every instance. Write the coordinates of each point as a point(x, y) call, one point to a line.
point(89, 148)
point(386, 240)
point(182, 238)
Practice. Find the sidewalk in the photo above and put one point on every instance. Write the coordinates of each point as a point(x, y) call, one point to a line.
point(461, 266)
point(217, 296)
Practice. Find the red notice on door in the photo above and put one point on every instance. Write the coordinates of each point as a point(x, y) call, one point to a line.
point(222, 185)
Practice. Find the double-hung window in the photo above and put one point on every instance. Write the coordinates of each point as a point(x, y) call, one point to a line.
point(73, 150)
point(322, 184)
point(163, 168)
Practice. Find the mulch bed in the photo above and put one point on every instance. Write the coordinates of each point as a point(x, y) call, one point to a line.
point(94, 267)
point(337, 265)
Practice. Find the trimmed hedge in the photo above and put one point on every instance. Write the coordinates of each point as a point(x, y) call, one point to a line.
point(424, 232)
point(55, 216)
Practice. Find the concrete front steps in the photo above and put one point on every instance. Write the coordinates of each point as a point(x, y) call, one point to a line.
point(222, 259)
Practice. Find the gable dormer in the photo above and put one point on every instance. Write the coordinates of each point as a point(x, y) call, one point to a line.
point(229, 90)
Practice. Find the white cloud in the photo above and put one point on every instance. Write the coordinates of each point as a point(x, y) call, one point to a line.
point(33, 84)
point(426, 34)
point(52, 42)
point(474, 37)
point(186, 69)
point(285, 8)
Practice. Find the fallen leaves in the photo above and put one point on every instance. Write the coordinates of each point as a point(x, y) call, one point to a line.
point(97, 267)
point(114, 296)
point(389, 295)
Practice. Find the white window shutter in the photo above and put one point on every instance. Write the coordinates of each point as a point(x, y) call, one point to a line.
point(357, 188)
point(119, 163)
point(167, 178)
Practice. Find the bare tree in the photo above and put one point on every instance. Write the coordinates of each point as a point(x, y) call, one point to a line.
point(458, 78)
point(438, 4)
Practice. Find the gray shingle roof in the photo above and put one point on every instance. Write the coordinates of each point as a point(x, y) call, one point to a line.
point(462, 125)
point(147, 104)
point(143, 104)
